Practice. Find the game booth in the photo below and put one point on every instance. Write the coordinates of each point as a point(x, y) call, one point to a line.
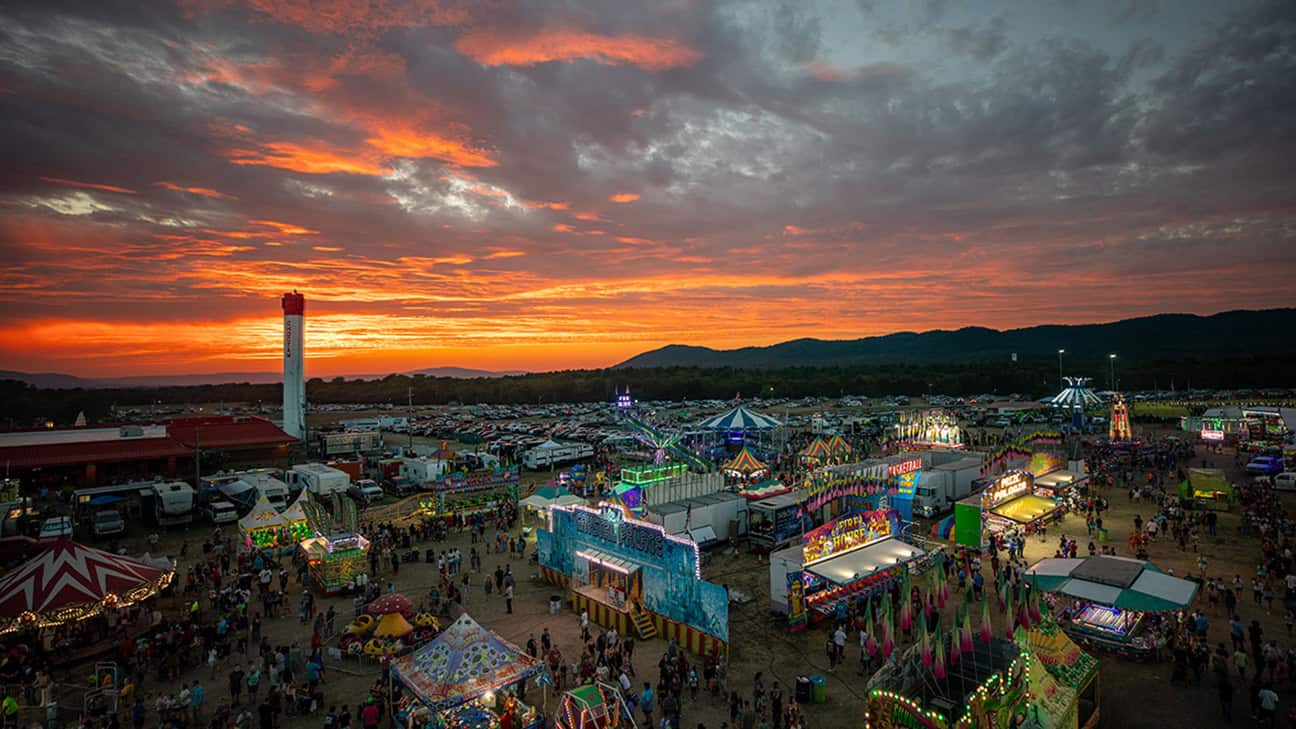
point(335, 560)
point(1109, 602)
point(264, 527)
point(636, 481)
point(856, 556)
point(465, 678)
point(463, 493)
point(1012, 500)
point(986, 687)
point(926, 430)
point(1207, 488)
point(631, 575)
point(1052, 476)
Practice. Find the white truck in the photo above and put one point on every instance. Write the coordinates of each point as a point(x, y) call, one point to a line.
point(422, 470)
point(551, 453)
point(941, 485)
point(173, 503)
point(704, 519)
point(319, 479)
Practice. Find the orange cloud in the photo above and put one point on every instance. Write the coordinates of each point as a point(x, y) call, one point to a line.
point(562, 228)
point(587, 216)
point(204, 191)
point(624, 197)
point(826, 71)
point(546, 45)
point(88, 185)
point(406, 142)
point(631, 240)
point(313, 158)
point(326, 249)
point(505, 254)
point(540, 205)
point(284, 228)
point(793, 230)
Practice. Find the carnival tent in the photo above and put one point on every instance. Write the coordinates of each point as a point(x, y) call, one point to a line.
point(70, 581)
point(745, 464)
point(838, 446)
point(464, 662)
point(1128, 584)
point(816, 451)
point(263, 516)
point(740, 418)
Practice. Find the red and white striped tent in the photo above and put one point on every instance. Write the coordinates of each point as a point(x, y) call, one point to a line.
point(70, 581)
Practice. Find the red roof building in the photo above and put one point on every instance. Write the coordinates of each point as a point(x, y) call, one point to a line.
point(90, 456)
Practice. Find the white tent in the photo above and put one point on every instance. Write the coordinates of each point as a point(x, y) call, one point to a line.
point(265, 516)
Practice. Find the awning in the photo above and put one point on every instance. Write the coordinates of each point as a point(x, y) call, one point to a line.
point(608, 560)
point(1129, 584)
point(857, 564)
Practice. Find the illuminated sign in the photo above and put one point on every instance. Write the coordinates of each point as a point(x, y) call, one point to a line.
point(845, 534)
point(903, 467)
point(1008, 487)
point(1212, 435)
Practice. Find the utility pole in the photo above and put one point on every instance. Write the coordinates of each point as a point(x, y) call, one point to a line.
point(1060, 353)
point(197, 459)
point(1111, 358)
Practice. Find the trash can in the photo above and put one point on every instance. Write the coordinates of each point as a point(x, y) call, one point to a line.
point(819, 687)
point(555, 604)
point(803, 689)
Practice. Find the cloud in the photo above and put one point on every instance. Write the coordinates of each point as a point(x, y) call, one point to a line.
point(547, 45)
point(624, 197)
point(203, 191)
point(88, 185)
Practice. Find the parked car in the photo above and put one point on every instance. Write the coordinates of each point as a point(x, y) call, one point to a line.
point(59, 527)
point(1285, 481)
point(402, 487)
point(108, 522)
point(365, 492)
point(1265, 466)
point(220, 511)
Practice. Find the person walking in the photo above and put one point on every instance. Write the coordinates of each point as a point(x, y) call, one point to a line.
point(508, 598)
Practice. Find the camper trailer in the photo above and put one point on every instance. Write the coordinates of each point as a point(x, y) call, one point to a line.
point(319, 479)
point(551, 453)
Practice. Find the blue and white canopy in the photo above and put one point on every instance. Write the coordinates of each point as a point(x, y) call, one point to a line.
point(740, 418)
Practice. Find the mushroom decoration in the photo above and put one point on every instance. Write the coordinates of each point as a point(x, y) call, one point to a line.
point(393, 608)
point(392, 602)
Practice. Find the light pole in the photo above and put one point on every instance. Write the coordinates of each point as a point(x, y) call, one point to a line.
point(1111, 358)
point(1060, 353)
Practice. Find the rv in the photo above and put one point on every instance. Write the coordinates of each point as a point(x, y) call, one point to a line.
point(319, 479)
point(551, 453)
point(173, 503)
point(420, 471)
point(244, 488)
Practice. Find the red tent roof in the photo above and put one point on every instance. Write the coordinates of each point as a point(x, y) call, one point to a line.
point(104, 451)
point(72, 575)
point(227, 432)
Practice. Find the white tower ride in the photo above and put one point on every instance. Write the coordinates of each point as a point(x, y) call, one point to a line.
point(294, 381)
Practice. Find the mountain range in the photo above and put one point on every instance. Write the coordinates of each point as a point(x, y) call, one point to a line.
point(59, 381)
point(1162, 336)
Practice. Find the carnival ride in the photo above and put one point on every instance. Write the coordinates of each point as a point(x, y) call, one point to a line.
point(666, 445)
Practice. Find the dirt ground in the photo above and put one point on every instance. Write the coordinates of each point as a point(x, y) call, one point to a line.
point(1133, 694)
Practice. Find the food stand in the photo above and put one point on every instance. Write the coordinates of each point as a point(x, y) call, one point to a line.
point(1207, 488)
point(466, 678)
point(464, 493)
point(1112, 600)
point(594, 706)
point(266, 528)
point(335, 560)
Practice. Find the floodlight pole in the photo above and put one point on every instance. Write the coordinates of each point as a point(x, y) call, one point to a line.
point(1060, 353)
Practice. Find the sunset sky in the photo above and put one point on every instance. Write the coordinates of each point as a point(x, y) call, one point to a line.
point(544, 185)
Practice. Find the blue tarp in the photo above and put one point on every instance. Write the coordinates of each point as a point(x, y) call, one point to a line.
point(106, 500)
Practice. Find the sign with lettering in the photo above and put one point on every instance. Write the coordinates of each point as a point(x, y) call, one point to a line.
point(1006, 488)
point(610, 525)
point(903, 467)
point(470, 481)
point(846, 533)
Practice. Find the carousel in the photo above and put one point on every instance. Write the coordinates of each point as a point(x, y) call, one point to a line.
point(70, 595)
point(388, 626)
point(465, 678)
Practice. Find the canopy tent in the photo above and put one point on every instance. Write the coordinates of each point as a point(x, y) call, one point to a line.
point(745, 465)
point(1128, 584)
point(464, 662)
point(70, 581)
point(817, 450)
point(262, 516)
point(740, 418)
point(764, 489)
point(838, 446)
point(551, 496)
point(264, 524)
point(549, 444)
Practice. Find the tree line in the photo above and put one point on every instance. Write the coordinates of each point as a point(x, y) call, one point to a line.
point(25, 405)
